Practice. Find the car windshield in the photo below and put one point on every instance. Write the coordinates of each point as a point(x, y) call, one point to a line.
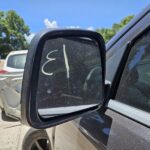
point(17, 61)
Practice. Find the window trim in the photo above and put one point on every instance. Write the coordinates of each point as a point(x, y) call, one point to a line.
point(133, 113)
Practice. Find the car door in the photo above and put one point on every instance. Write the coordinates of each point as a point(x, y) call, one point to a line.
point(131, 101)
point(124, 124)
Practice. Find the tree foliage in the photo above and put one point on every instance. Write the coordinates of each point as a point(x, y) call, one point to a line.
point(108, 33)
point(12, 32)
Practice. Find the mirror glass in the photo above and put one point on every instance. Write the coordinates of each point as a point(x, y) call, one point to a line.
point(70, 76)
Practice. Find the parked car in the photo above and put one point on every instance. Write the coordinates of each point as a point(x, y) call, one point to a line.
point(10, 83)
point(15, 61)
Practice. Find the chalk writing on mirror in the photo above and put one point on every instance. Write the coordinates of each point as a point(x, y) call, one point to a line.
point(66, 60)
point(49, 59)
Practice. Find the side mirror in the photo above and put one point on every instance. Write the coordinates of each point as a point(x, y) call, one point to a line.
point(63, 78)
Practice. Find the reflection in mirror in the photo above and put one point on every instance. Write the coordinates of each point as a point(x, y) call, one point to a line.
point(70, 77)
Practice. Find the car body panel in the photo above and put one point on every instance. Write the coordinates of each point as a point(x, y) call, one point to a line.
point(68, 136)
point(10, 89)
point(100, 131)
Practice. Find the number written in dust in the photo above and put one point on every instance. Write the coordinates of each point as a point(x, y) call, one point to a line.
point(49, 59)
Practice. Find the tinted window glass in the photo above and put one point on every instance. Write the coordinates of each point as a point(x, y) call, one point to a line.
point(17, 61)
point(134, 88)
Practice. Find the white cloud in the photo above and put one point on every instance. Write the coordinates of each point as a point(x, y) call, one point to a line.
point(73, 27)
point(50, 24)
point(78, 27)
point(53, 24)
point(90, 28)
point(30, 37)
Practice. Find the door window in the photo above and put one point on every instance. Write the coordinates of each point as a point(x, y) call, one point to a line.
point(134, 87)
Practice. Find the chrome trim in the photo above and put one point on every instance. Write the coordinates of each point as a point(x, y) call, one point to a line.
point(131, 112)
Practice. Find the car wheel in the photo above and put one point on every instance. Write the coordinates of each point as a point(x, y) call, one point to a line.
point(36, 140)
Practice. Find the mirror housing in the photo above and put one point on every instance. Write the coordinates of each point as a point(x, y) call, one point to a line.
point(29, 104)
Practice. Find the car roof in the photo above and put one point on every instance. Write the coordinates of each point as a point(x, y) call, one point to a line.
point(18, 52)
point(122, 32)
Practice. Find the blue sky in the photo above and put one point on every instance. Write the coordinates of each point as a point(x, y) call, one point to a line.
point(39, 14)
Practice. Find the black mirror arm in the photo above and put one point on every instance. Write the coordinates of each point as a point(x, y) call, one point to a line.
point(106, 93)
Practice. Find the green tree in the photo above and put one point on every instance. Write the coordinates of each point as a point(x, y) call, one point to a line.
point(108, 33)
point(12, 32)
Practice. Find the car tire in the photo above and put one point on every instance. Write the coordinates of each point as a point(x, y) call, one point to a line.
point(36, 140)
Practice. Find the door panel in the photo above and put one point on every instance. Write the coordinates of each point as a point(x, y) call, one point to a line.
point(111, 131)
point(68, 137)
point(126, 134)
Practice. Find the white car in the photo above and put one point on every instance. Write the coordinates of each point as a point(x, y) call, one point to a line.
point(10, 83)
point(15, 61)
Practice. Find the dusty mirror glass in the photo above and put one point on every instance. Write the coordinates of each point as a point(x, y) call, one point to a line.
point(70, 76)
